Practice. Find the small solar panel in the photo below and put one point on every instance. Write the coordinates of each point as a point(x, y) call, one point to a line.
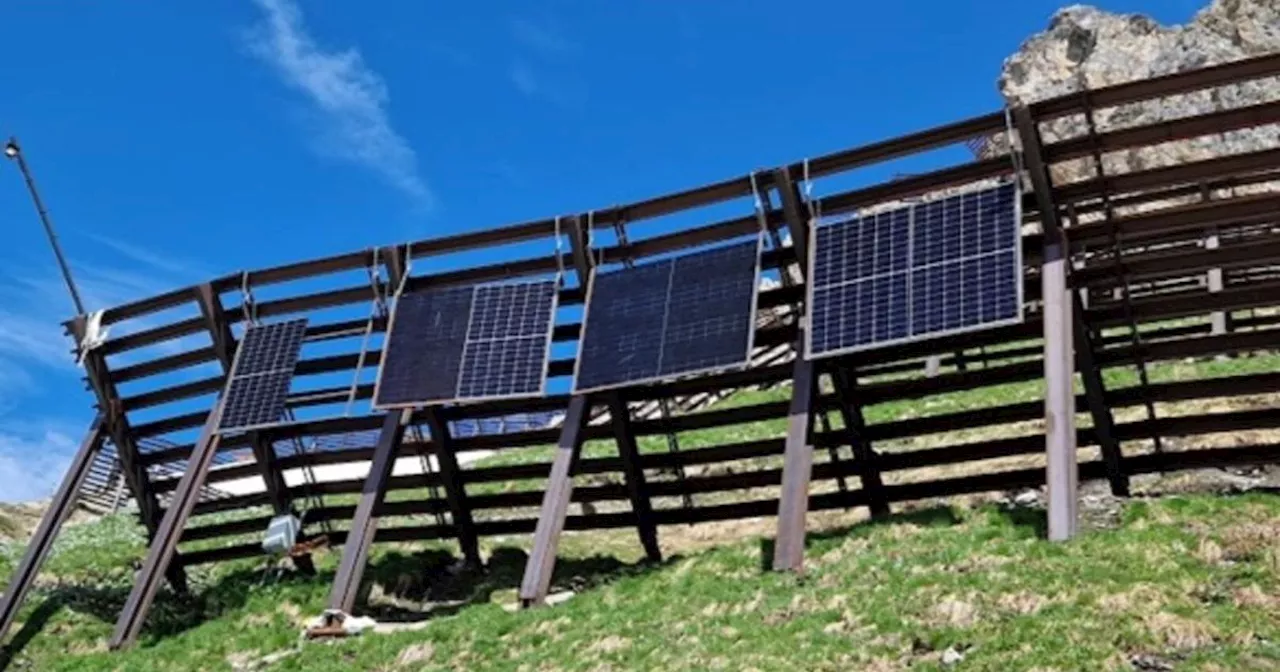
point(466, 343)
point(933, 268)
point(682, 316)
point(261, 375)
point(508, 343)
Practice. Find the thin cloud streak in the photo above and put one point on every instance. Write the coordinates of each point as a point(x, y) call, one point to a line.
point(36, 356)
point(32, 465)
point(540, 37)
point(350, 98)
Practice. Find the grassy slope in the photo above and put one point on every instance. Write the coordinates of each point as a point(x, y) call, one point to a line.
point(1194, 580)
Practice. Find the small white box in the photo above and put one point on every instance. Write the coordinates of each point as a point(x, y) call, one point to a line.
point(282, 534)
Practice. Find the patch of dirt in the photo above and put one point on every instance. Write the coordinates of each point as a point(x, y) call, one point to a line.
point(956, 612)
point(1253, 596)
point(1141, 598)
point(1181, 633)
point(1023, 603)
point(610, 644)
point(415, 653)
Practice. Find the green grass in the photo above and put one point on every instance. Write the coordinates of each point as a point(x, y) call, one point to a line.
point(1194, 581)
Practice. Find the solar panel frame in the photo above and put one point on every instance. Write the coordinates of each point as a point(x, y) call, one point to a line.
point(285, 362)
point(911, 268)
point(659, 378)
point(458, 372)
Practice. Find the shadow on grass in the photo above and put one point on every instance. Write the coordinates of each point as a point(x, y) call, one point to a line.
point(410, 587)
point(1034, 518)
point(936, 516)
point(429, 584)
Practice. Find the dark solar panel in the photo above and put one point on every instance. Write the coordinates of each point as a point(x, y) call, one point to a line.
point(922, 270)
point(423, 351)
point(261, 375)
point(674, 317)
point(622, 329)
point(711, 310)
point(469, 342)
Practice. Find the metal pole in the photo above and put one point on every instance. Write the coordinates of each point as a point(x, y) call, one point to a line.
point(14, 152)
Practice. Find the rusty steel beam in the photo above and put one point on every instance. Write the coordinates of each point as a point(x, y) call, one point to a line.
point(1158, 87)
point(60, 508)
point(355, 552)
point(845, 383)
point(164, 547)
point(950, 134)
point(797, 470)
point(555, 505)
point(122, 436)
point(633, 475)
point(455, 491)
point(224, 347)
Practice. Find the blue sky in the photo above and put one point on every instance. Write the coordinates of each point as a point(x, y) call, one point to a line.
point(299, 129)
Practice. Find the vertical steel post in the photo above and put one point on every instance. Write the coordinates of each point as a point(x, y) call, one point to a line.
point(555, 505)
point(1058, 307)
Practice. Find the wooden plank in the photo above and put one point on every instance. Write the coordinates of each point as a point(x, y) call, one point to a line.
point(633, 474)
point(555, 506)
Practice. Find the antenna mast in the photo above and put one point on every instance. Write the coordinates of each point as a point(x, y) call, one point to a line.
point(14, 152)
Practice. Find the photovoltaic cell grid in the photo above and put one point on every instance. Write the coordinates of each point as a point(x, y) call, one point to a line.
point(466, 343)
point(423, 352)
point(507, 344)
point(261, 375)
point(933, 268)
point(690, 314)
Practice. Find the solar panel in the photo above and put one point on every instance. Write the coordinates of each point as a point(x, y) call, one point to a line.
point(682, 316)
point(423, 352)
point(261, 375)
point(467, 343)
point(933, 268)
point(507, 345)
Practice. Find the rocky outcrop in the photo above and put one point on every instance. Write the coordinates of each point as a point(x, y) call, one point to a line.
point(1087, 48)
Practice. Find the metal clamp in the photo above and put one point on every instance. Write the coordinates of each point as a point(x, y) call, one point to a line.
point(247, 303)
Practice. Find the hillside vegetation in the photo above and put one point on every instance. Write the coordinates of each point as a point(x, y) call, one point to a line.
point(1185, 581)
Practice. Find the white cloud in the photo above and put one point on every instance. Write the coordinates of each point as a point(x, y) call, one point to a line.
point(36, 357)
point(32, 465)
point(350, 98)
point(35, 352)
point(541, 36)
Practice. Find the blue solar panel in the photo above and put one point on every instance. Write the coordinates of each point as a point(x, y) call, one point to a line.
point(465, 343)
point(261, 374)
point(692, 314)
point(932, 268)
point(507, 344)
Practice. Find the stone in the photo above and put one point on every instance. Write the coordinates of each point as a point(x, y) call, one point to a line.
point(1087, 48)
